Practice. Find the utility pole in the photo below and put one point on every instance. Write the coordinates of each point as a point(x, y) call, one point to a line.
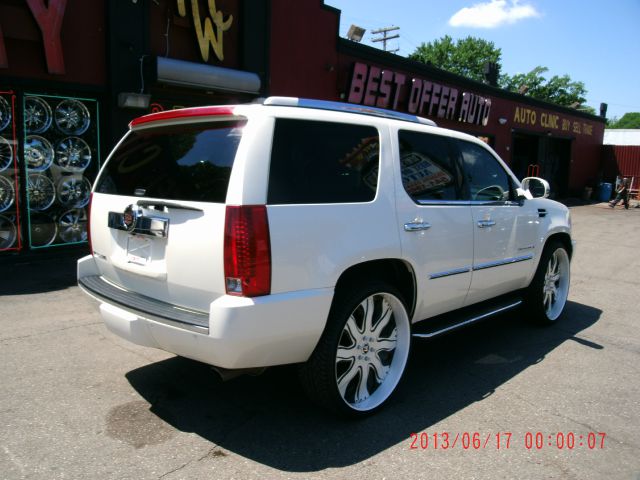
point(385, 37)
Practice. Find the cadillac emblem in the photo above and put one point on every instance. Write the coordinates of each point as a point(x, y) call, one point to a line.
point(130, 218)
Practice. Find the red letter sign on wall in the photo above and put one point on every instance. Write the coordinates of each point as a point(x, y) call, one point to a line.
point(50, 23)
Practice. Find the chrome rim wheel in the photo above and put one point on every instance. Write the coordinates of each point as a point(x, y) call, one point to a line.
point(5, 114)
point(72, 226)
point(7, 194)
point(43, 230)
point(74, 192)
point(8, 233)
point(37, 115)
point(555, 289)
point(72, 117)
point(42, 192)
point(73, 154)
point(372, 351)
point(6, 154)
point(38, 153)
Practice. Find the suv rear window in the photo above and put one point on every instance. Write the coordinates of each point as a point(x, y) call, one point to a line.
point(323, 162)
point(179, 162)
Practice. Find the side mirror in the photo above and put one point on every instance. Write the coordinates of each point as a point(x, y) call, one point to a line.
point(538, 187)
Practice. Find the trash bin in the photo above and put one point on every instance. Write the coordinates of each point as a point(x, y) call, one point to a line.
point(586, 195)
point(604, 192)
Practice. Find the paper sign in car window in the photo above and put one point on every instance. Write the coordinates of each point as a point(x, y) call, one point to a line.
point(421, 174)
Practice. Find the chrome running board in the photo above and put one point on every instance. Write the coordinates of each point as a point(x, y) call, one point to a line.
point(433, 327)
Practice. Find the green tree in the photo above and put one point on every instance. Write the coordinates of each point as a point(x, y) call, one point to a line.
point(560, 90)
point(628, 120)
point(465, 57)
point(468, 56)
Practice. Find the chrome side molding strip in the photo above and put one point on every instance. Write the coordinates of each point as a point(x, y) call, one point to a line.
point(448, 273)
point(506, 261)
point(467, 322)
point(482, 266)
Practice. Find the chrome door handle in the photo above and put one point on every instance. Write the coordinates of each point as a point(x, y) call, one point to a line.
point(416, 226)
point(486, 223)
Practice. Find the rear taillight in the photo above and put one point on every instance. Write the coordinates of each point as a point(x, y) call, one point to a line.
point(247, 251)
point(89, 223)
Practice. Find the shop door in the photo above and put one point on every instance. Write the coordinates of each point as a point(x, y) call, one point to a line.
point(555, 156)
point(525, 153)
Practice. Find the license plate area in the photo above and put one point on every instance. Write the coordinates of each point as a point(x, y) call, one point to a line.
point(138, 250)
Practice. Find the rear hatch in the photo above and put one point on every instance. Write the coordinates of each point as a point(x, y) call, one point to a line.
point(158, 210)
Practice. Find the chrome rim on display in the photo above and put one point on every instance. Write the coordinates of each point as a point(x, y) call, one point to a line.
point(5, 114)
point(556, 284)
point(73, 154)
point(38, 153)
point(6, 154)
point(72, 226)
point(74, 192)
point(43, 230)
point(37, 115)
point(8, 233)
point(7, 194)
point(372, 351)
point(72, 117)
point(42, 192)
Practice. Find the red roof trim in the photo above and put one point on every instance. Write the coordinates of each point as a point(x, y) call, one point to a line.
point(181, 113)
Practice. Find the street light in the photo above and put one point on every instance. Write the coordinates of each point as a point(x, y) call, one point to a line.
point(355, 33)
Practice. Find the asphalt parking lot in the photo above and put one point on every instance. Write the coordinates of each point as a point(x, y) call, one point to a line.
point(77, 402)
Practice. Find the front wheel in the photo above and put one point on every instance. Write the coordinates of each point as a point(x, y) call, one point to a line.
point(547, 294)
point(363, 352)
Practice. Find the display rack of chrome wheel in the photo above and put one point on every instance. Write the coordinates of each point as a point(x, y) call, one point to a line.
point(9, 177)
point(60, 161)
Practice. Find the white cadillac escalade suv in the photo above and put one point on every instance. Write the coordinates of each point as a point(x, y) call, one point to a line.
point(318, 233)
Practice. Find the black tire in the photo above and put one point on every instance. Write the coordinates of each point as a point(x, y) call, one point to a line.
point(546, 296)
point(333, 375)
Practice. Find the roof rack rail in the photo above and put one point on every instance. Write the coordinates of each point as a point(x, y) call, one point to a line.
point(345, 107)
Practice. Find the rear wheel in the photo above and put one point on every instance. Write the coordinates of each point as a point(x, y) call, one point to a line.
point(363, 352)
point(547, 294)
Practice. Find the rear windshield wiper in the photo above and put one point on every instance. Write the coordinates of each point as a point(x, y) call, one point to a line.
point(159, 204)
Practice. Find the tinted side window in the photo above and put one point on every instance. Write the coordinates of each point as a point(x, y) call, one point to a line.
point(180, 162)
point(429, 170)
point(323, 162)
point(485, 177)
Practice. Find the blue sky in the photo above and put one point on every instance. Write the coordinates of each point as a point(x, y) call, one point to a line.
point(595, 42)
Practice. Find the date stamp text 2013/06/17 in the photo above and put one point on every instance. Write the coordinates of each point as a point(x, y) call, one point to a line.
point(507, 440)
